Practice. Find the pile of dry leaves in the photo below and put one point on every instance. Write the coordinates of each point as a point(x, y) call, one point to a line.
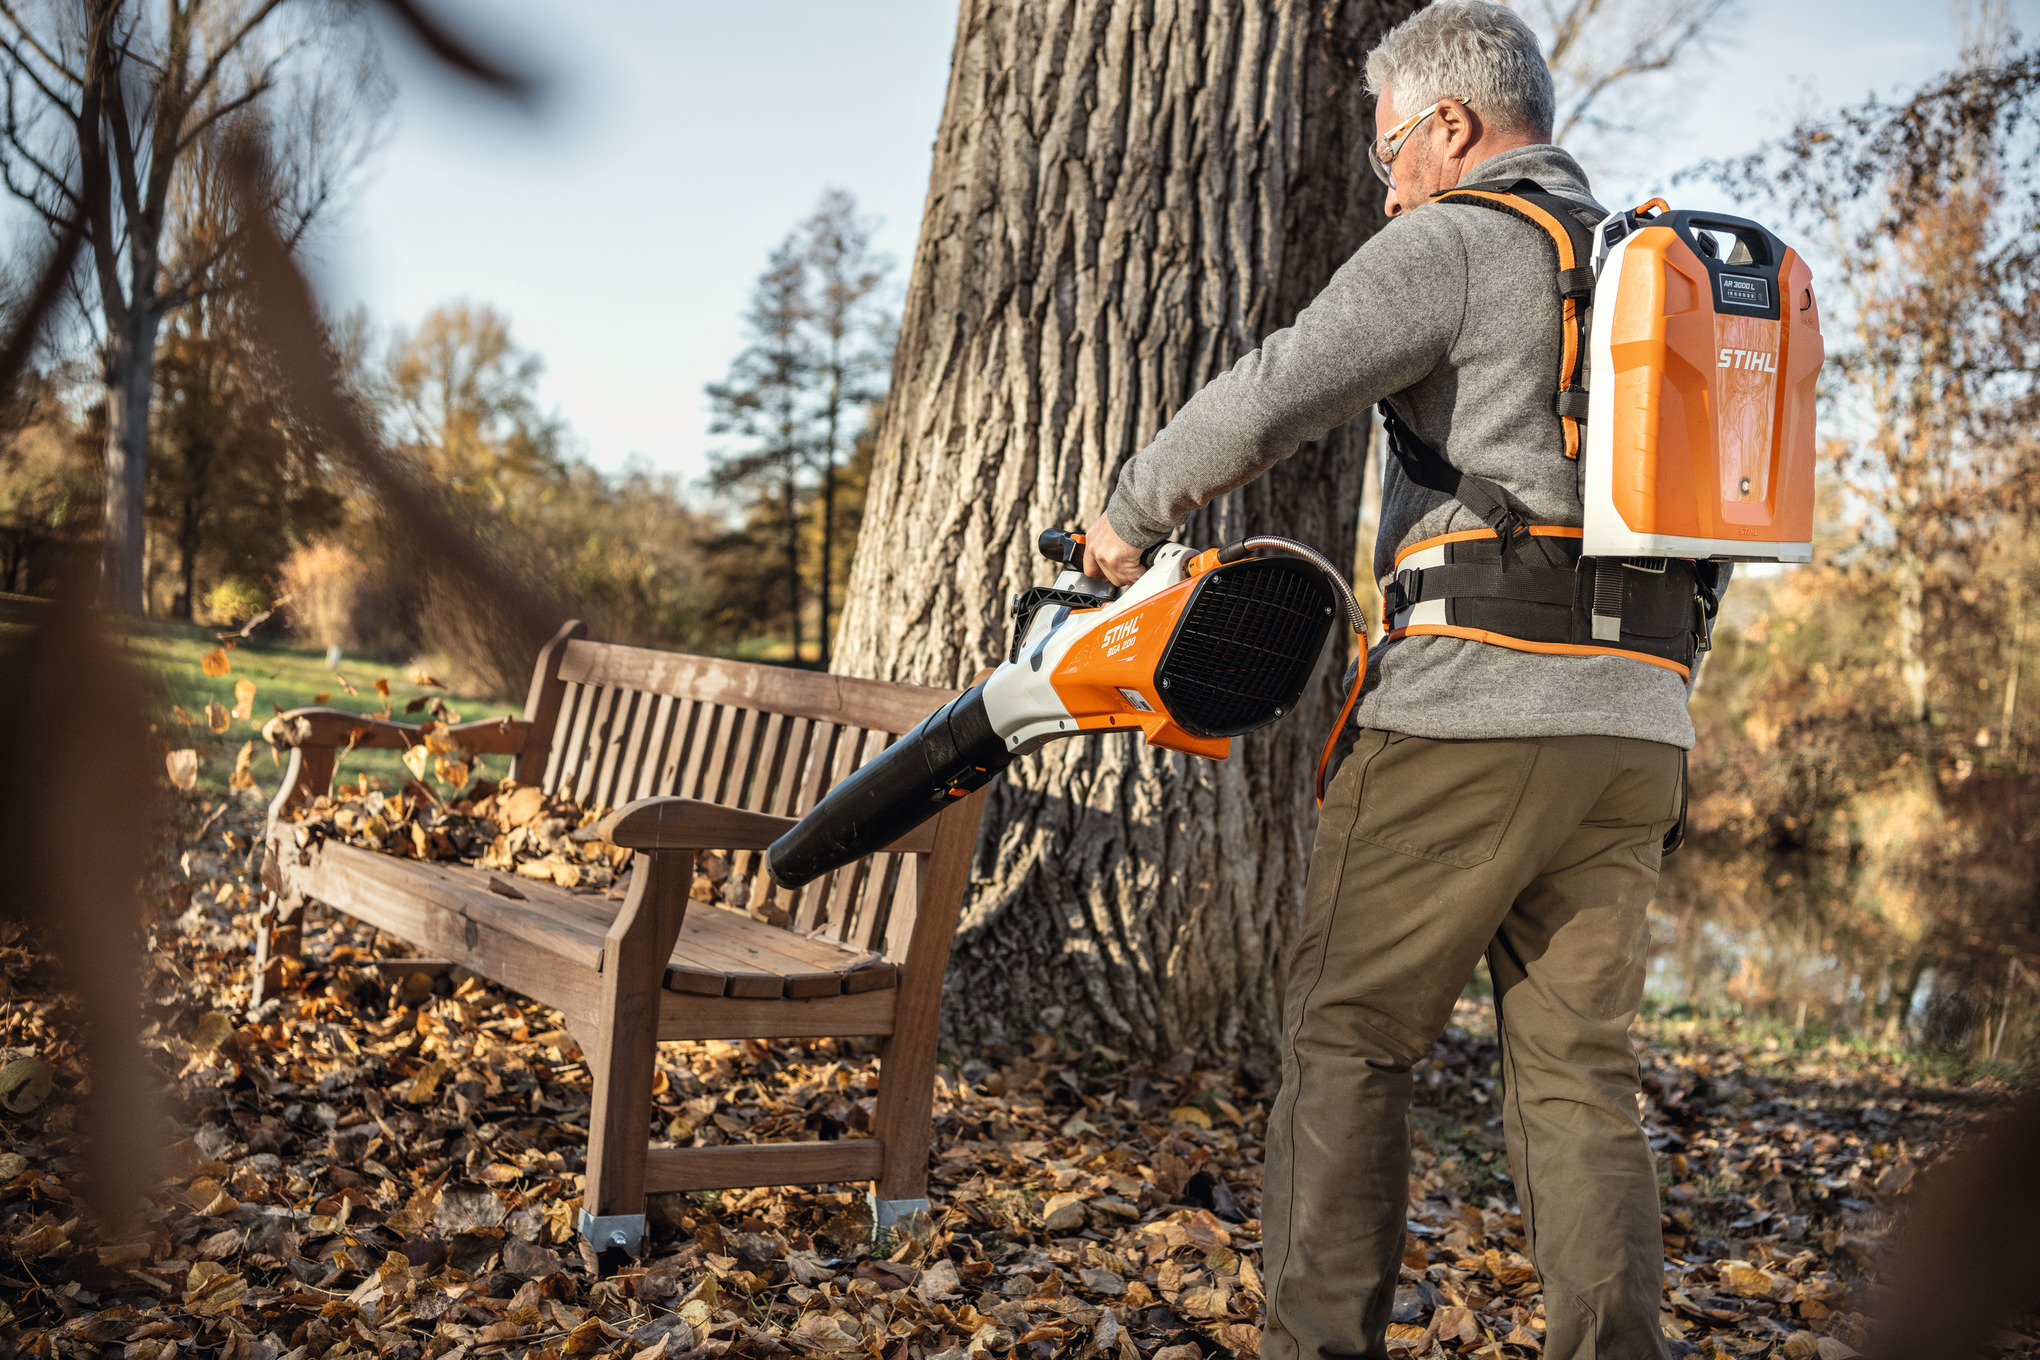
point(516, 828)
point(383, 1162)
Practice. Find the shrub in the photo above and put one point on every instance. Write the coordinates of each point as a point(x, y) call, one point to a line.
point(336, 598)
point(234, 601)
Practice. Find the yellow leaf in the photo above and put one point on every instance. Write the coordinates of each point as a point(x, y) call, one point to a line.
point(182, 716)
point(217, 717)
point(214, 663)
point(244, 700)
point(454, 772)
point(425, 1083)
point(321, 697)
point(419, 677)
point(1190, 1114)
point(183, 766)
point(417, 760)
point(382, 687)
point(243, 777)
point(438, 745)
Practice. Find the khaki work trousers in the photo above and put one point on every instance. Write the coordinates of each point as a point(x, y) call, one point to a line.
point(1543, 854)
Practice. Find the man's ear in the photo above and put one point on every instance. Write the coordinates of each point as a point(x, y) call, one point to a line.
point(1461, 127)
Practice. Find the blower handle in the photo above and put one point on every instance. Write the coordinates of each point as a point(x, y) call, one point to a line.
point(1062, 547)
point(1066, 548)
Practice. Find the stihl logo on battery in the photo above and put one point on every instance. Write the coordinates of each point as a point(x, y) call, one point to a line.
point(1121, 635)
point(1753, 360)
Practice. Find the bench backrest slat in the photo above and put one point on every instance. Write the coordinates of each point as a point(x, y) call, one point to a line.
point(634, 723)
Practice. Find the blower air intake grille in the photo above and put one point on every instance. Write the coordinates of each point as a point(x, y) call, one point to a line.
point(1245, 646)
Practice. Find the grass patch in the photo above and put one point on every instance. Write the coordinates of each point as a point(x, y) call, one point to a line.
point(285, 676)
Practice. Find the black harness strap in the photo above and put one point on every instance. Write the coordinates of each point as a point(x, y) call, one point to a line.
point(1427, 467)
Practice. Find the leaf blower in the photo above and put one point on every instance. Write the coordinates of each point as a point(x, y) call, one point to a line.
point(1201, 649)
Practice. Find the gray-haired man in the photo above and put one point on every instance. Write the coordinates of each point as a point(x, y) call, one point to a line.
point(1496, 801)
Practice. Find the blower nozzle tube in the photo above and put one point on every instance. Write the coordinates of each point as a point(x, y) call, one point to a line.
point(952, 752)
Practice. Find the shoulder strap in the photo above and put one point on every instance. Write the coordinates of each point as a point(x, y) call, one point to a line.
point(1570, 227)
point(1427, 467)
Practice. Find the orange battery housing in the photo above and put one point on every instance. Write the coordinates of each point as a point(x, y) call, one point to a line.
point(1703, 365)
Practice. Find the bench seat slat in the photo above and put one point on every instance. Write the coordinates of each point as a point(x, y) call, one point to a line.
point(720, 952)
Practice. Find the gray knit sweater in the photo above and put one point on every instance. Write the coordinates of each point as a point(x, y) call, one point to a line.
point(1451, 311)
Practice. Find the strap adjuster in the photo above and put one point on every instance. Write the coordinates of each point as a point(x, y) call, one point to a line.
point(1400, 593)
point(1576, 285)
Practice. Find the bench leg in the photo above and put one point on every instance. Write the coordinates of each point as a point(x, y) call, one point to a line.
point(634, 958)
point(279, 935)
point(906, 1062)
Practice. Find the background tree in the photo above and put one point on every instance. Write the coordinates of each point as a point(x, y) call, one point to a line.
point(853, 348)
point(766, 402)
point(1124, 199)
point(110, 108)
point(232, 484)
point(1603, 52)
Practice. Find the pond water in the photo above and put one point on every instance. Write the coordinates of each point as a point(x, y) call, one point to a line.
point(1808, 940)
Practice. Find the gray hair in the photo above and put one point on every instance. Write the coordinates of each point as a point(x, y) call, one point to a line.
point(1471, 49)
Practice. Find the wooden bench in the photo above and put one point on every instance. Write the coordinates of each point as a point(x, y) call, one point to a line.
point(694, 754)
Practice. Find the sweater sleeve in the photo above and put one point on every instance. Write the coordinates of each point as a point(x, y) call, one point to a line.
point(1386, 319)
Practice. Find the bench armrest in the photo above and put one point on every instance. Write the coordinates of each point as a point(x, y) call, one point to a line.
point(686, 824)
point(690, 824)
point(313, 727)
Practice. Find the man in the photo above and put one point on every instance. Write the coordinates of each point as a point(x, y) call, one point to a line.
point(1499, 801)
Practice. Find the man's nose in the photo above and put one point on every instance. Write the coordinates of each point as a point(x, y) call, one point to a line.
point(1393, 203)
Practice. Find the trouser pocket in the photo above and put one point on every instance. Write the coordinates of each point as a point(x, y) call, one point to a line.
point(1446, 801)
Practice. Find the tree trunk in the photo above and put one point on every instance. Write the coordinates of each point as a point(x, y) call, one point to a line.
point(792, 561)
point(1127, 195)
point(130, 376)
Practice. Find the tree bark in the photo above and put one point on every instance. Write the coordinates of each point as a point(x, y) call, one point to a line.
point(1127, 195)
point(130, 378)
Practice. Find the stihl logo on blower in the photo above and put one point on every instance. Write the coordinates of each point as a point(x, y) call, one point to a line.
point(1199, 650)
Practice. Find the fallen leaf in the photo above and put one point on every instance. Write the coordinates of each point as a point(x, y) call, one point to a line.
point(182, 716)
point(214, 663)
point(25, 1083)
point(217, 717)
point(183, 768)
point(1063, 1213)
point(321, 697)
point(244, 699)
point(243, 776)
point(211, 1030)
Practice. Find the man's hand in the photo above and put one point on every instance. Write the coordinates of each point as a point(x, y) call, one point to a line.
point(1108, 557)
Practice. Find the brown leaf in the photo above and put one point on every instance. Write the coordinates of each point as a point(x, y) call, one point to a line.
point(214, 663)
point(321, 697)
point(211, 1289)
point(217, 717)
point(211, 1030)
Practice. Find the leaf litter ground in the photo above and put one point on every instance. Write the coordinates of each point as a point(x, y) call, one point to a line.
point(382, 1163)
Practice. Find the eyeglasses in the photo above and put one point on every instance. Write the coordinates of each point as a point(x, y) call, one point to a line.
point(1381, 159)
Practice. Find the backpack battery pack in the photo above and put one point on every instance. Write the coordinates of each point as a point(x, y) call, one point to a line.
point(1704, 354)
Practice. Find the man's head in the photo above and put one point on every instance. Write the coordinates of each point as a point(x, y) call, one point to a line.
point(1479, 72)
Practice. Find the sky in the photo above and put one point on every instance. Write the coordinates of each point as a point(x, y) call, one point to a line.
point(620, 229)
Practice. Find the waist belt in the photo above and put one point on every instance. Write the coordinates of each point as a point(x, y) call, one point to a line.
point(1532, 591)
